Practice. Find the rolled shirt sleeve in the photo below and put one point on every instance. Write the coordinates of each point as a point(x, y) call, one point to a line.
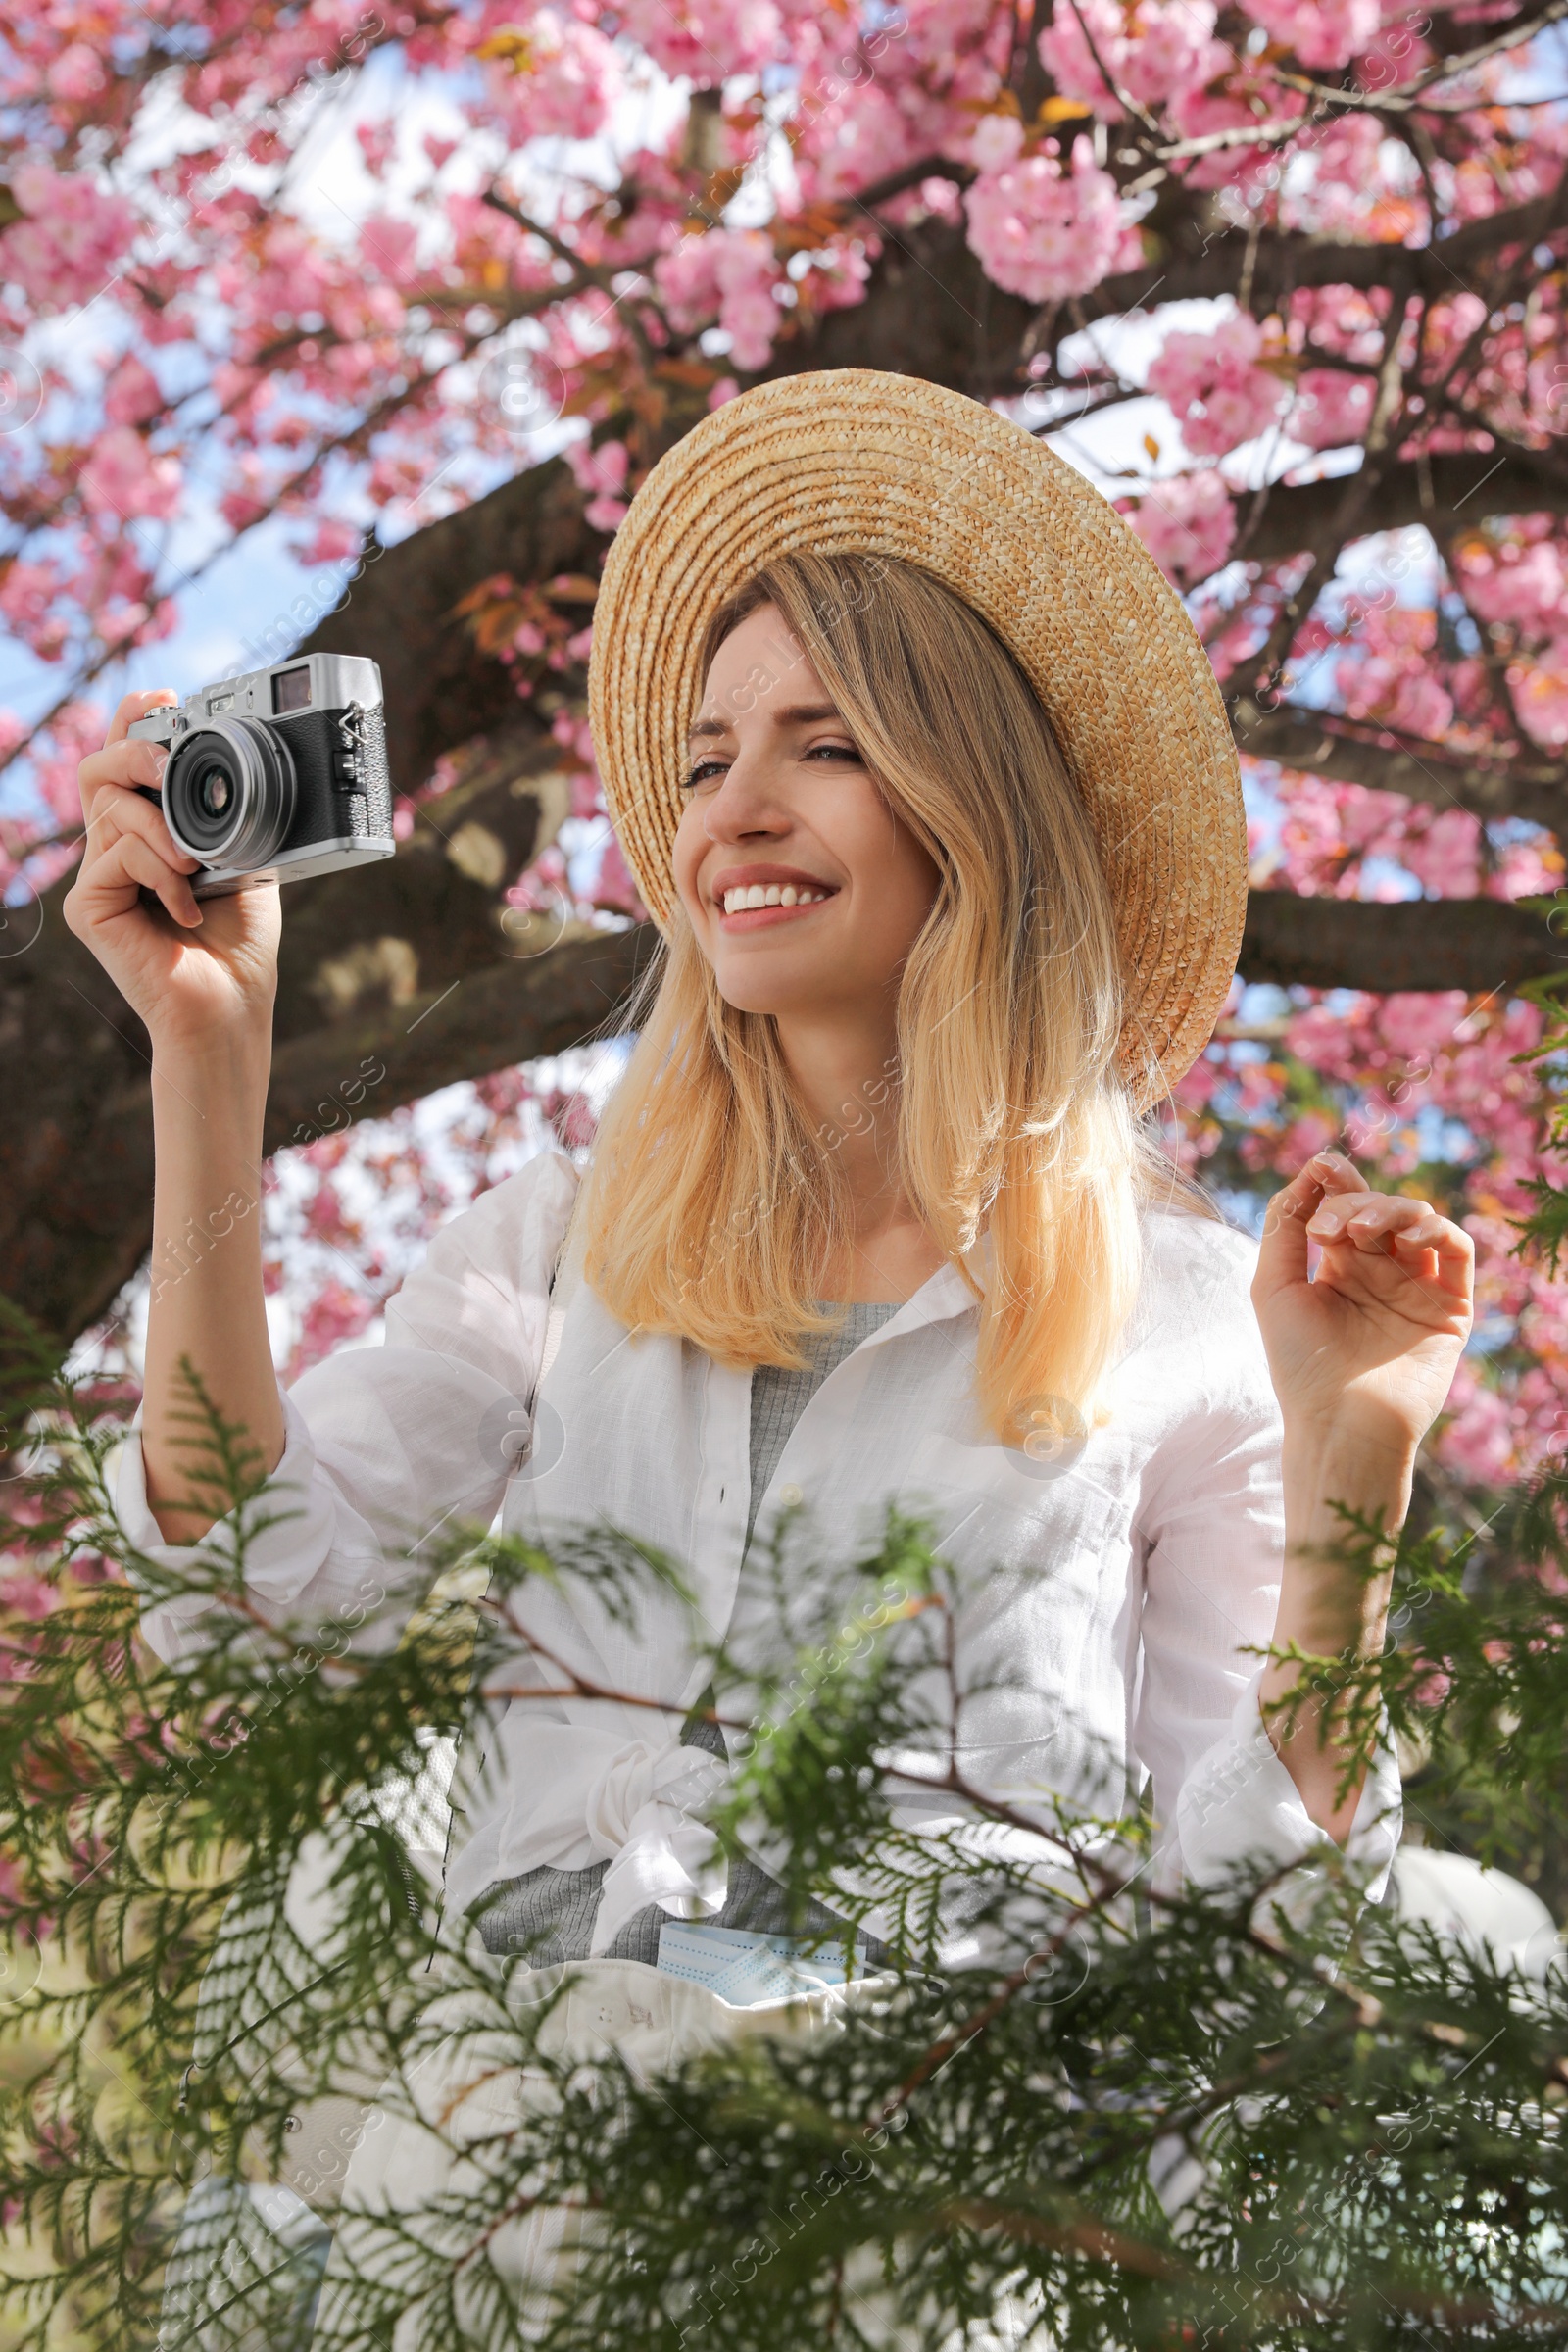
point(389, 1448)
point(1223, 1797)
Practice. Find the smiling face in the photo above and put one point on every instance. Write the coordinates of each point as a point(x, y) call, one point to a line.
point(805, 889)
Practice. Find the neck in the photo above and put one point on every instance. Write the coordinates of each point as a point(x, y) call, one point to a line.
point(846, 1073)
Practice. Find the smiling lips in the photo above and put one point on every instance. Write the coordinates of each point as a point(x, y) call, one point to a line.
point(754, 906)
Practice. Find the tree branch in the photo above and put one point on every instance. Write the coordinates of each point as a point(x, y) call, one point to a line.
point(1443, 68)
point(1484, 945)
point(509, 1012)
point(440, 690)
point(1513, 483)
point(1284, 263)
point(1321, 744)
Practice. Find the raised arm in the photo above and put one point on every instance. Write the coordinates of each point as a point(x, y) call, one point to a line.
point(202, 976)
point(1361, 1357)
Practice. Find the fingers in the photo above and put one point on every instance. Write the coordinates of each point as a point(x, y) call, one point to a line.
point(1454, 1253)
point(1289, 1218)
point(136, 705)
point(122, 810)
point(129, 861)
point(121, 761)
point(1368, 1219)
point(1330, 1203)
point(1327, 1176)
point(1427, 1247)
point(120, 766)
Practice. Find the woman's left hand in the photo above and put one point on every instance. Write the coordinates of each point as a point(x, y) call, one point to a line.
point(1362, 1356)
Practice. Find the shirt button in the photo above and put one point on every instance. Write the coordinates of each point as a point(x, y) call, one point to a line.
point(791, 1494)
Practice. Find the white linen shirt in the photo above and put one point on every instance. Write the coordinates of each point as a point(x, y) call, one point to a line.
point(1118, 1591)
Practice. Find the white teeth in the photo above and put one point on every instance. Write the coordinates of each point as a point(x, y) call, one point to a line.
point(772, 894)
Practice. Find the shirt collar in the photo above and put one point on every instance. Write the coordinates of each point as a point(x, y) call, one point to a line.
point(942, 1295)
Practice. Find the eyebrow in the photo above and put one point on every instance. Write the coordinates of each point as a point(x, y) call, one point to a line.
point(793, 715)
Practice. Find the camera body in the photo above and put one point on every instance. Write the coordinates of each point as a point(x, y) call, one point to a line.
point(278, 774)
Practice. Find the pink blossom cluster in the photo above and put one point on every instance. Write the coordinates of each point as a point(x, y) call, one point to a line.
point(1156, 51)
point(1214, 387)
point(132, 393)
point(72, 235)
point(347, 1217)
point(1321, 33)
point(602, 473)
point(1515, 579)
point(1540, 696)
point(730, 272)
point(561, 84)
point(835, 278)
point(29, 601)
point(614, 886)
point(1331, 834)
point(878, 91)
point(331, 541)
point(1188, 524)
point(1243, 98)
point(1043, 233)
point(335, 1315)
point(1352, 191)
point(74, 730)
point(1331, 408)
point(705, 39)
point(1345, 322)
point(1522, 578)
point(124, 477)
point(1387, 675)
point(1345, 151)
point(571, 731)
point(857, 136)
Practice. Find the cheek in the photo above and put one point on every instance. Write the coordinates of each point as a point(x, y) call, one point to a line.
point(910, 887)
point(686, 856)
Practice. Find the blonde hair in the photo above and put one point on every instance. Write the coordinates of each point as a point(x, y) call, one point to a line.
point(712, 1202)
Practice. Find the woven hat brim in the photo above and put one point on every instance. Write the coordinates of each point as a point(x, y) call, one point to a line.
point(856, 459)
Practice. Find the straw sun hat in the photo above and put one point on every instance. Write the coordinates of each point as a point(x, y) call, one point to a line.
point(856, 459)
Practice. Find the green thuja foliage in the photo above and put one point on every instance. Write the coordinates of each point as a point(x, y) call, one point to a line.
point(1544, 1231)
point(1071, 2105)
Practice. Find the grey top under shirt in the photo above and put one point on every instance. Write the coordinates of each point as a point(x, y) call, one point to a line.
point(549, 1913)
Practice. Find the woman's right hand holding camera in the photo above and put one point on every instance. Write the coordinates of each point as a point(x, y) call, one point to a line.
point(201, 975)
point(196, 972)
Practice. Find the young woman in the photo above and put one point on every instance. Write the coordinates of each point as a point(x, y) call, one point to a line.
point(951, 874)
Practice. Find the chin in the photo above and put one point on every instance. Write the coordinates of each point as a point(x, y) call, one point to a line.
point(761, 991)
point(756, 1000)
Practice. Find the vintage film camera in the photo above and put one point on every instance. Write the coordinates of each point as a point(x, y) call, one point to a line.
point(278, 774)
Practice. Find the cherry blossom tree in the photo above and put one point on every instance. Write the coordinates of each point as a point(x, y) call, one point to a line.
point(1287, 280)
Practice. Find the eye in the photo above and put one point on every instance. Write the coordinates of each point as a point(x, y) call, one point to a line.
point(700, 772)
point(834, 750)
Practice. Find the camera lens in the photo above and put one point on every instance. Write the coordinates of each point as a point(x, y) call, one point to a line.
point(230, 791)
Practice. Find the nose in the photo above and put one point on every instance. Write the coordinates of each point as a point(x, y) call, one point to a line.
point(747, 804)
